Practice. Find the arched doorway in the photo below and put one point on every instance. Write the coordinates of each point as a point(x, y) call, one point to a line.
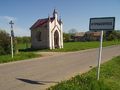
point(56, 39)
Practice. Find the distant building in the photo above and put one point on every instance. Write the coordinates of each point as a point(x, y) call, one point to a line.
point(86, 36)
point(79, 36)
point(47, 33)
point(92, 36)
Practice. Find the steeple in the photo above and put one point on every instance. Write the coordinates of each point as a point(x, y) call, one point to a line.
point(55, 14)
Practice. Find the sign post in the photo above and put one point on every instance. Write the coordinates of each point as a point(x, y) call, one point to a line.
point(100, 24)
point(100, 54)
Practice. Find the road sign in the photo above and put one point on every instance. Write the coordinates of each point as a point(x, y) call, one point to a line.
point(103, 23)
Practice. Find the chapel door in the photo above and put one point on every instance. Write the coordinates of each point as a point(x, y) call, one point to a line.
point(56, 39)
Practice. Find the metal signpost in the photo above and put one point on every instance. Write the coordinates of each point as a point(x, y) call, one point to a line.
point(12, 34)
point(101, 24)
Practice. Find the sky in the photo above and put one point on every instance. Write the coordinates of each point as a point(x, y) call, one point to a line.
point(75, 14)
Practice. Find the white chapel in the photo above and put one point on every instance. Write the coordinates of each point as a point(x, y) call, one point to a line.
point(47, 33)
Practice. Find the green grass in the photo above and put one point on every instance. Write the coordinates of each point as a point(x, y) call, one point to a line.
point(19, 56)
point(23, 45)
point(109, 79)
point(76, 46)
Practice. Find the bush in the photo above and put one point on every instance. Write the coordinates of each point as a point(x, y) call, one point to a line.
point(66, 37)
point(4, 42)
point(112, 35)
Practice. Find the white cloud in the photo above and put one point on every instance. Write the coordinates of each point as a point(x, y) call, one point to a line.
point(18, 30)
point(8, 18)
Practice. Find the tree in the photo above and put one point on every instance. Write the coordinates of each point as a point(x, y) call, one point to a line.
point(118, 35)
point(113, 35)
point(72, 31)
point(4, 43)
point(66, 37)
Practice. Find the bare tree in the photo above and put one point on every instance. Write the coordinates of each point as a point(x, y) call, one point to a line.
point(72, 31)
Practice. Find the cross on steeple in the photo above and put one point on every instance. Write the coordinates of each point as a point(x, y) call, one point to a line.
point(55, 13)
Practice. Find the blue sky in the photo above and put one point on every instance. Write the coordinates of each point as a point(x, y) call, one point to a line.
point(74, 13)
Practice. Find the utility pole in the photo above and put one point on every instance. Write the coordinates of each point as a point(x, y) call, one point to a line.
point(12, 35)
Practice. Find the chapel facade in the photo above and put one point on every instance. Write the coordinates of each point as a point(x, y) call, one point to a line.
point(47, 33)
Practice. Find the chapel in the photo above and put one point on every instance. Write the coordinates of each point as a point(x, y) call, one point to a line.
point(47, 32)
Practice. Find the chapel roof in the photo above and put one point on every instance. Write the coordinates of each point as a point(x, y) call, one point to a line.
point(41, 22)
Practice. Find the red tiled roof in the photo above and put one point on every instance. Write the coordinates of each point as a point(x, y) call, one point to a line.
point(40, 22)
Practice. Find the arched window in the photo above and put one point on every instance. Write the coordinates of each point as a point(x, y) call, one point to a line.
point(38, 36)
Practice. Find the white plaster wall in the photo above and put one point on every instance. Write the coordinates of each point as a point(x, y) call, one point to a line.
point(44, 38)
point(61, 35)
point(55, 26)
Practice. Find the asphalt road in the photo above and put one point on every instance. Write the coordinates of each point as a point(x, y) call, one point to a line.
point(40, 73)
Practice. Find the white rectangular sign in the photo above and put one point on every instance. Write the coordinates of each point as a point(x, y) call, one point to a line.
point(104, 23)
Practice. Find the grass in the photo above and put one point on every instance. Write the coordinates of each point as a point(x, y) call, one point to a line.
point(76, 46)
point(19, 56)
point(109, 79)
point(23, 45)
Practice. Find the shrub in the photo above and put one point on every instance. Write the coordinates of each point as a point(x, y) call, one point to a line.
point(4, 42)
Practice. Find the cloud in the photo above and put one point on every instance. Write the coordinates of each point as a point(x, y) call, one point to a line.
point(19, 31)
point(8, 18)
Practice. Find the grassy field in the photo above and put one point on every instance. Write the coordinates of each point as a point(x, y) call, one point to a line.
point(109, 79)
point(23, 45)
point(76, 46)
point(19, 56)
